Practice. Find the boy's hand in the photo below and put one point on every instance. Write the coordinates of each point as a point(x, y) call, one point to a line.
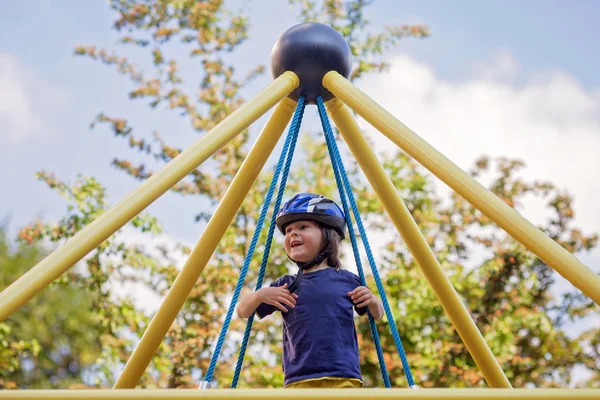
point(362, 296)
point(278, 296)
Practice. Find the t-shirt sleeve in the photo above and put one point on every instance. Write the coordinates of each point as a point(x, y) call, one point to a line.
point(356, 283)
point(265, 309)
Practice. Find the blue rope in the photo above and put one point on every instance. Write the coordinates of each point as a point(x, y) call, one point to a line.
point(339, 168)
point(374, 332)
point(292, 134)
point(291, 141)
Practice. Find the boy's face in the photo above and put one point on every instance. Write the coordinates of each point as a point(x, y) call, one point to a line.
point(303, 240)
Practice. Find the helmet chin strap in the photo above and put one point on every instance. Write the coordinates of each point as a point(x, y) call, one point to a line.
point(302, 266)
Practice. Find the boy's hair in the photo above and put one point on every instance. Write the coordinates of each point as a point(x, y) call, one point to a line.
point(332, 250)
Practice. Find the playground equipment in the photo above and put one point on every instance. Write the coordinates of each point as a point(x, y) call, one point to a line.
point(311, 64)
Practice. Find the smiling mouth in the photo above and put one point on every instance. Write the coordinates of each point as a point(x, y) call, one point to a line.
point(295, 244)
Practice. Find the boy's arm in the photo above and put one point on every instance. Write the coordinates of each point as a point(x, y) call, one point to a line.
point(376, 308)
point(277, 297)
point(248, 304)
point(362, 296)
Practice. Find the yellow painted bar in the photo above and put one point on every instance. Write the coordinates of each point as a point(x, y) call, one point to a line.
point(302, 394)
point(493, 207)
point(416, 242)
point(50, 268)
point(212, 234)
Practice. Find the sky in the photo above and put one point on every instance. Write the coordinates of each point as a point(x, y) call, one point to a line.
point(499, 78)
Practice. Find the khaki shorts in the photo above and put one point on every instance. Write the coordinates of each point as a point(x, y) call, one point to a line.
point(332, 383)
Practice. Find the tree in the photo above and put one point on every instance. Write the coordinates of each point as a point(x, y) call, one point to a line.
point(51, 340)
point(508, 292)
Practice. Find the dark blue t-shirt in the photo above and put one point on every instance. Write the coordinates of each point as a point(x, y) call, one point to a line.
point(319, 335)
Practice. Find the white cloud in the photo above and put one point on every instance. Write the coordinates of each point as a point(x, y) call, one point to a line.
point(24, 100)
point(551, 122)
point(505, 67)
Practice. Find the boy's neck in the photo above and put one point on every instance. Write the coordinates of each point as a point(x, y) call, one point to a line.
point(323, 265)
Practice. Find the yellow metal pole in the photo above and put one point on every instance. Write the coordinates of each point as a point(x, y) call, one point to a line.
point(205, 247)
point(412, 235)
point(498, 211)
point(47, 270)
point(302, 394)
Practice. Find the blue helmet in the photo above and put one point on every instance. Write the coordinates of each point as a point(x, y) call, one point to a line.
point(314, 207)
